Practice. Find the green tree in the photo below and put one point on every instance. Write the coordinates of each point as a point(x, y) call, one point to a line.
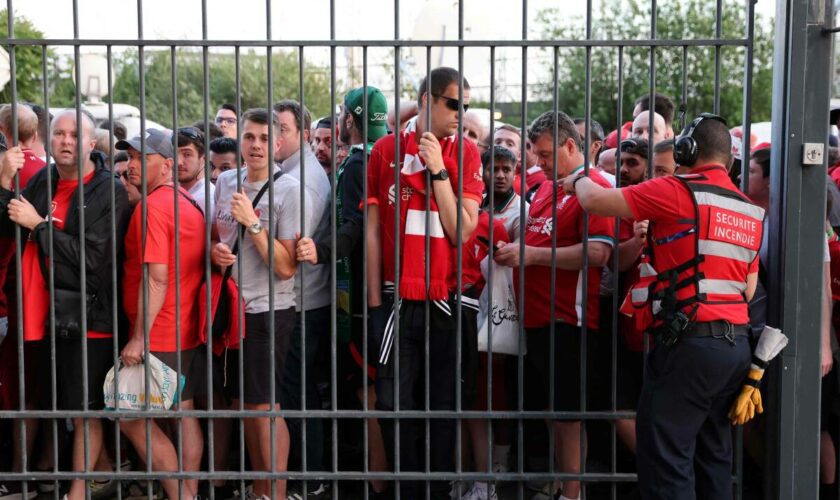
point(29, 78)
point(684, 20)
point(190, 89)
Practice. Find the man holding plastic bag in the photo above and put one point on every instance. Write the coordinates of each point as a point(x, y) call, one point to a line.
point(156, 249)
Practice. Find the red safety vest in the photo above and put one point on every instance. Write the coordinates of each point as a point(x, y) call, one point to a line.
point(714, 250)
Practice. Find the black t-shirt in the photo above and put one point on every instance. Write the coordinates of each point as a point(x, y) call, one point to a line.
point(349, 235)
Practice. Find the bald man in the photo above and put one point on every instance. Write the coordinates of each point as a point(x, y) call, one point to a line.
point(642, 123)
point(473, 129)
point(606, 161)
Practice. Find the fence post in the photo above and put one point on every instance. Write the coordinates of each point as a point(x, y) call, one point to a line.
point(801, 86)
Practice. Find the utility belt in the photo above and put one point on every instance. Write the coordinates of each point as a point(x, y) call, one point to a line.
point(680, 327)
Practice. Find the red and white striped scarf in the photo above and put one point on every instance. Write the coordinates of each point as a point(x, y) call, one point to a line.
point(413, 221)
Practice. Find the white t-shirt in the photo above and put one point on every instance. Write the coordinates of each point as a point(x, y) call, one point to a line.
point(197, 193)
point(286, 222)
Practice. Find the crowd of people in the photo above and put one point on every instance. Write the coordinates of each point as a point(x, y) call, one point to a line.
point(584, 214)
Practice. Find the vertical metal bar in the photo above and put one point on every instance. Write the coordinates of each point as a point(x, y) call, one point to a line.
point(51, 275)
point(652, 87)
point(584, 341)
point(144, 228)
point(179, 448)
point(520, 365)
point(490, 263)
point(364, 376)
point(616, 290)
point(115, 301)
point(397, 263)
point(271, 340)
point(80, 192)
point(552, 292)
point(333, 269)
point(718, 35)
point(460, 244)
point(746, 127)
point(239, 301)
point(427, 127)
point(210, 449)
point(684, 100)
point(301, 120)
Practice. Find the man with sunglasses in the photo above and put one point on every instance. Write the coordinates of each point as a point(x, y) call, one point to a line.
point(429, 154)
point(226, 120)
point(191, 168)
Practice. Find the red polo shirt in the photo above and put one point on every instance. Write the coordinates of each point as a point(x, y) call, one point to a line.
point(160, 249)
point(569, 297)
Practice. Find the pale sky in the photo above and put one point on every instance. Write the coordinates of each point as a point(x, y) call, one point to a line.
point(309, 20)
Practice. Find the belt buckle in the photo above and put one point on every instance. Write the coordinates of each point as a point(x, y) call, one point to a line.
point(729, 334)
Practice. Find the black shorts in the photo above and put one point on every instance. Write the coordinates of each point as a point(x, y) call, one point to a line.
point(226, 375)
point(193, 368)
point(69, 375)
point(257, 354)
point(567, 364)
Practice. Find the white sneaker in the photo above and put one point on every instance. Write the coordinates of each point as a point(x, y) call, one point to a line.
point(481, 491)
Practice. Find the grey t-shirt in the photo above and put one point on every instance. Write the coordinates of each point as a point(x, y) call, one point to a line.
point(255, 272)
point(316, 279)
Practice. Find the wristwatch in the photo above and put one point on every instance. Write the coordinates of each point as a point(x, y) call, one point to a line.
point(255, 228)
point(443, 175)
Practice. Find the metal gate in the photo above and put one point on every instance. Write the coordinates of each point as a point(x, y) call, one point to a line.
point(799, 114)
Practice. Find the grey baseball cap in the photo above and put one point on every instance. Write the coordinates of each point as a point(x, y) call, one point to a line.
point(156, 142)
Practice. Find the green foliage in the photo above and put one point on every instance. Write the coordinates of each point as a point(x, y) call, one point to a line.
point(683, 20)
point(28, 60)
point(222, 82)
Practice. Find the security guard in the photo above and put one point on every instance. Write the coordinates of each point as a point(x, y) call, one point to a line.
point(704, 236)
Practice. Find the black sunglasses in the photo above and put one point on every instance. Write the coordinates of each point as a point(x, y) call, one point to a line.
point(191, 133)
point(451, 103)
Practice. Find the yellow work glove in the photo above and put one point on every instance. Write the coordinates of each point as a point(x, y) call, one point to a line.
point(748, 402)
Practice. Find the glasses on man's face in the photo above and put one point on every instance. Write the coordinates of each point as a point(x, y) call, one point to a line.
point(221, 120)
point(451, 103)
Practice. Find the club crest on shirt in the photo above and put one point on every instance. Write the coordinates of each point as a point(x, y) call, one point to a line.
point(541, 225)
point(51, 217)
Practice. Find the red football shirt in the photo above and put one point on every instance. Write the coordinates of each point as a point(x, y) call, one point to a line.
point(569, 297)
point(382, 191)
point(666, 201)
point(31, 165)
point(160, 249)
point(36, 295)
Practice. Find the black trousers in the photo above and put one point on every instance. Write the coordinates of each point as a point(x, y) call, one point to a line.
point(684, 438)
point(409, 374)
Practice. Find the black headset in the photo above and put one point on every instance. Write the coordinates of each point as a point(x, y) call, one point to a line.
point(685, 147)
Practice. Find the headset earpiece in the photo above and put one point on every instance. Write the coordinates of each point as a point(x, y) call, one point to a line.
point(685, 147)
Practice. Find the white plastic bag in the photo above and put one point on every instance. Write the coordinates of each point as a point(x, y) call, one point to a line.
point(131, 393)
point(503, 313)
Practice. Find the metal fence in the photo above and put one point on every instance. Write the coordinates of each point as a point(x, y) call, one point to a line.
point(800, 90)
